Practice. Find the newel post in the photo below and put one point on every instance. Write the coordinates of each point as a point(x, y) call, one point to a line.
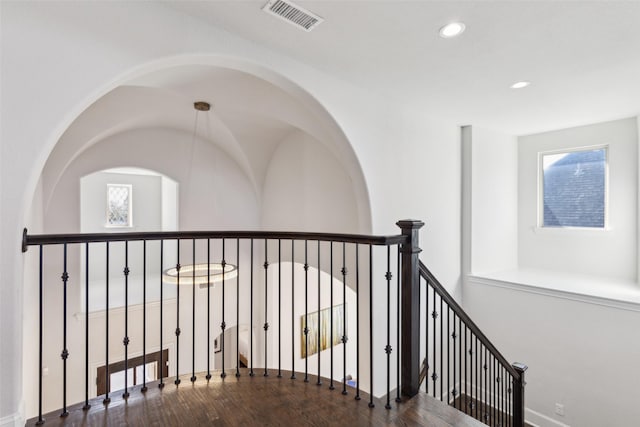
point(518, 395)
point(410, 278)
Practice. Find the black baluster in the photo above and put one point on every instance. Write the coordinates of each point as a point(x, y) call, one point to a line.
point(40, 334)
point(106, 399)
point(162, 362)
point(387, 348)
point(237, 307)
point(469, 368)
point(493, 384)
point(65, 352)
point(144, 316)
point(466, 371)
point(426, 333)
point(499, 386)
point(266, 317)
point(483, 381)
point(461, 402)
point(454, 335)
point(441, 349)
point(434, 315)
point(306, 313)
point(177, 332)
point(319, 382)
point(344, 319)
point(193, 310)
point(510, 400)
point(449, 355)
point(251, 373)
point(86, 328)
point(398, 332)
point(505, 397)
point(125, 340)
point(503, 394)
point(371, 404)
point(486, 386)
point(208, 377)
point(331, 387)
point(357, 397)
point(293, 310)
point(477, 383)
point(223, 325)
point(279, 308)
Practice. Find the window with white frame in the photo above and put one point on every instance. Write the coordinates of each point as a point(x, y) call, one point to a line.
point(574, 188)
point(119, 205)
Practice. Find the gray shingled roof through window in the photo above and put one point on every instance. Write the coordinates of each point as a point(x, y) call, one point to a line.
point(574, 190)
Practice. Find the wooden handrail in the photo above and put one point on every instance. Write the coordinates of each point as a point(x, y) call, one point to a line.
point(52, 239)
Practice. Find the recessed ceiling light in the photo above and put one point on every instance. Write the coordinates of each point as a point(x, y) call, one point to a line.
point(520, 85)
point(451, 30)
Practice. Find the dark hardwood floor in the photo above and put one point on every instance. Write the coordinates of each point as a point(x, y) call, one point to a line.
point(256, 401)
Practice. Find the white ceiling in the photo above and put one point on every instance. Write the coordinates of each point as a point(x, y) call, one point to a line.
point(582, 57)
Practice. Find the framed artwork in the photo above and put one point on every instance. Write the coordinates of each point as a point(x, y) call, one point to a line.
point(320, 335)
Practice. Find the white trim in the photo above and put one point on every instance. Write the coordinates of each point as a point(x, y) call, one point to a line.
point(563, 231)
point(533, 418)
point(121, 309)
point(536, 419)
point(557, 293)
point(16, 419)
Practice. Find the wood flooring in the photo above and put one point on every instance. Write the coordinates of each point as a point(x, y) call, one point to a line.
point(255, 401)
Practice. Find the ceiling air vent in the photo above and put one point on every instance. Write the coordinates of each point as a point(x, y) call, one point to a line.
point(293, 14)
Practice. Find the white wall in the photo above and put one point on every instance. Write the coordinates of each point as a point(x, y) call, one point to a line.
point(410, 162)
point(146, 200)
point(306, 189)
point(569, 308)
point(608, 253)
point(490, 196)
point(298, 305)
point(581, 355)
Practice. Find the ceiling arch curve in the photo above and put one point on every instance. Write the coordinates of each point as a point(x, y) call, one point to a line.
point(253, 111)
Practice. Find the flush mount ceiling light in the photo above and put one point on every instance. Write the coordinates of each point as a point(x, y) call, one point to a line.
point(452, 30)
point(520, 85)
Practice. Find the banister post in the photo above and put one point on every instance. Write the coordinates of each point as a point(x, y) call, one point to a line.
point(518, 395)
point(410, 298)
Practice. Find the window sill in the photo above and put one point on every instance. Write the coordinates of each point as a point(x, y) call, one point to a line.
point(603, 291)
point(563, 231)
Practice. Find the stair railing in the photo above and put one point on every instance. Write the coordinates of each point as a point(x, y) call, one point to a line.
point(328, 276)
point(466, 370)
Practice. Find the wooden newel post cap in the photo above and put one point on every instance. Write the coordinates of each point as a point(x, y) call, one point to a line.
point(520, 367)
point(410, 223)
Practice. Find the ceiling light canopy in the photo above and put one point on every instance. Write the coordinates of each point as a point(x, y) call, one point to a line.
point(452, 29)
point(520, 85)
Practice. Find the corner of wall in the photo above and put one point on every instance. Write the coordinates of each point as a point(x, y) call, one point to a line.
point(638, 212)
point(16, 419)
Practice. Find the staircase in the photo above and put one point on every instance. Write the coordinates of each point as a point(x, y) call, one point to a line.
point(321, 308)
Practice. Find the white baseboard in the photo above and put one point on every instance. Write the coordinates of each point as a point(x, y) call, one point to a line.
point(14, 420)
point(536, 419)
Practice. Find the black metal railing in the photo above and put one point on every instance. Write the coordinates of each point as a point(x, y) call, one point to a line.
point(461, 366)
point(379, 275)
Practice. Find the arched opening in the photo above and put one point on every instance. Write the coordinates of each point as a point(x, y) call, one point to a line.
point(123, 200)
point(266, 157)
